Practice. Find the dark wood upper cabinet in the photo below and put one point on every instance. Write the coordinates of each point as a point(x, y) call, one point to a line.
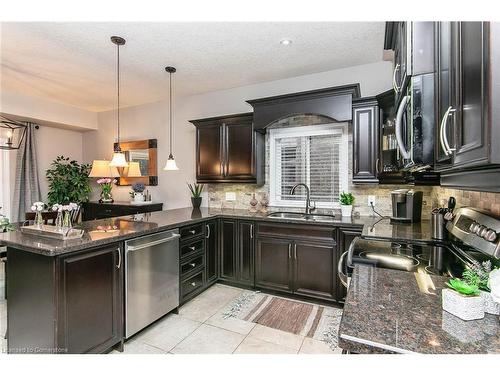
point(365, 131)
point(229, 150)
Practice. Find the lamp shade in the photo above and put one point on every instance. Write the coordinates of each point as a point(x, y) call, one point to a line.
point(101, 168)
point(171, 165)
point(133, 170)
point(118, 160)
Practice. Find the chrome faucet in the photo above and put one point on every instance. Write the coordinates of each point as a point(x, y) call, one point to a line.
point(309, 208)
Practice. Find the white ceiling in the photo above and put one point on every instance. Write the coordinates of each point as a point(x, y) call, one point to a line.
point(75, 63)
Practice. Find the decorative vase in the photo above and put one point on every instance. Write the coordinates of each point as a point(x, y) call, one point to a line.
point(463, 307)
point(59, 220)
point(38, 219)
point(253, 204)
point(346, 209)
point(264, 202)
point(196, 202)
point(106, 197)
point(490, 306)
point(139, 197)
point(67, 220)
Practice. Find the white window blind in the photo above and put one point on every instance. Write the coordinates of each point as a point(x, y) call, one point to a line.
point(314, 155)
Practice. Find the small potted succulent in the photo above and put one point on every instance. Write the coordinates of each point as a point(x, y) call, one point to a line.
point(479, 274)
point(195, 190)
point(463, 300)
point(346, 201)
point(137, 192)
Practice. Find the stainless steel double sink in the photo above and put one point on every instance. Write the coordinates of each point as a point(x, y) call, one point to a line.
point(302, 216)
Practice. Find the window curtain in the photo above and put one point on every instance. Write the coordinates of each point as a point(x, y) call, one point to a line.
point(26, 183)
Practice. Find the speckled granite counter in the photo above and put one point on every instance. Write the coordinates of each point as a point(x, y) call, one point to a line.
point(385, 229)
point(128, 227)
point(400, 312)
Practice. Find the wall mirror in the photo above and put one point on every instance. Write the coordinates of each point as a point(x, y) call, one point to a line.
point(143, 158)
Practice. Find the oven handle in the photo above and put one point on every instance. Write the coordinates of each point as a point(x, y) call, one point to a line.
point(350, 251)
point(399, 127)
point(340, 269)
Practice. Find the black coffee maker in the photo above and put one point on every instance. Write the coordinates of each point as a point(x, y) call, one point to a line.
point(406, 205)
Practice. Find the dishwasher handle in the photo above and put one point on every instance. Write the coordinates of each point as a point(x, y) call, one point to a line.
point(153, 243)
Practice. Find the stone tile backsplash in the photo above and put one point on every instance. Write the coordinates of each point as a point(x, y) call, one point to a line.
point(433, 196)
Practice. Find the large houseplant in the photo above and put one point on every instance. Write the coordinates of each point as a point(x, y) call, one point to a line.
point(68, 181)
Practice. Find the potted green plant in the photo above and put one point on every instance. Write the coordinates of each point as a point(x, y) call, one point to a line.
point(463, 300)
point(106, 185)
point(5, 224)
point(478, 274)
point(68, 181)
point(195, 190)
point(346, 201)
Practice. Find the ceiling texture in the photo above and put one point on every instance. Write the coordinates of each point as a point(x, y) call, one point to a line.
point(75, 63)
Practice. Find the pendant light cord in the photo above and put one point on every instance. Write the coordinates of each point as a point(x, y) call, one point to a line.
point(170, 104)
point(118, 88)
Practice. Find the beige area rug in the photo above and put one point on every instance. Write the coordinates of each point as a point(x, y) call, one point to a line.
point(300, 318)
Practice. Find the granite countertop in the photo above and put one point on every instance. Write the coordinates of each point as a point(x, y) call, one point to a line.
point(400, 312)
point(383, 228)
point(131, 226)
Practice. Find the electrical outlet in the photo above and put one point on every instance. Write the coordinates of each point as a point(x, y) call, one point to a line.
point(230, 196)
point(371, 200)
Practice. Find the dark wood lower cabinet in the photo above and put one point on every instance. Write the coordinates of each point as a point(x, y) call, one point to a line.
point(315, 266)
point(228, 248)
point(78, 301)
point(273, 264)
point(246, 253)
point(90, 303)
point(211, 251)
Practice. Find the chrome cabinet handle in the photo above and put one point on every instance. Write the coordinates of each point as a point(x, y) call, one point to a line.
point(208, 231)
point(192, 248)
point(119, 259)
point(290, 250)
point(399, 127)
point(193, 284)
point(444, 137)
point(295, 251)
point(192, 231)
point(395, 86)
point(251, 230)
point(377, 170)
point(192, 264)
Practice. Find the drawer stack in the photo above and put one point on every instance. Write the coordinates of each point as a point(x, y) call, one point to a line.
point(192, 260)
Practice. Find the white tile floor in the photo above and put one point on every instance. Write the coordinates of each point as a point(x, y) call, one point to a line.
point(200, 329)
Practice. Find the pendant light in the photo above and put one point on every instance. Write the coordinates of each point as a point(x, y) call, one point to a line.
point(171, 164)
point(118, 159)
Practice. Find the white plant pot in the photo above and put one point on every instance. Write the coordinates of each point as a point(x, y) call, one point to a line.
point(464, 307)
point(346, 209)
point(490, 306)
point(138, 197)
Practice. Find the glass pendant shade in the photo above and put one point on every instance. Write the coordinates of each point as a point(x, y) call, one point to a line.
point(171, 165)
point(101, 168)
point(118, 160)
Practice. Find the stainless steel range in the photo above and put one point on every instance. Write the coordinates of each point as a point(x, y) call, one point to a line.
point(474, 236)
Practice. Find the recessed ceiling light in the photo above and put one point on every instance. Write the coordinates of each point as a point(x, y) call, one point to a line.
point(285, 42)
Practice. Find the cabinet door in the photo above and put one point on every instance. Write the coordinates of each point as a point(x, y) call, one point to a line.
point(228, 250)
point(90, 300)
point(239, 141)
point(365, 142)
point(246, 253)
point(211, 246)
point(315, 269)
point(346, 235)
point(471, 122)
point(209, 152)
point(444, 92)
point(273, 262)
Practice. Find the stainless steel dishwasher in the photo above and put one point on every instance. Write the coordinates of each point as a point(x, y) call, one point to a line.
point(151, 279)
